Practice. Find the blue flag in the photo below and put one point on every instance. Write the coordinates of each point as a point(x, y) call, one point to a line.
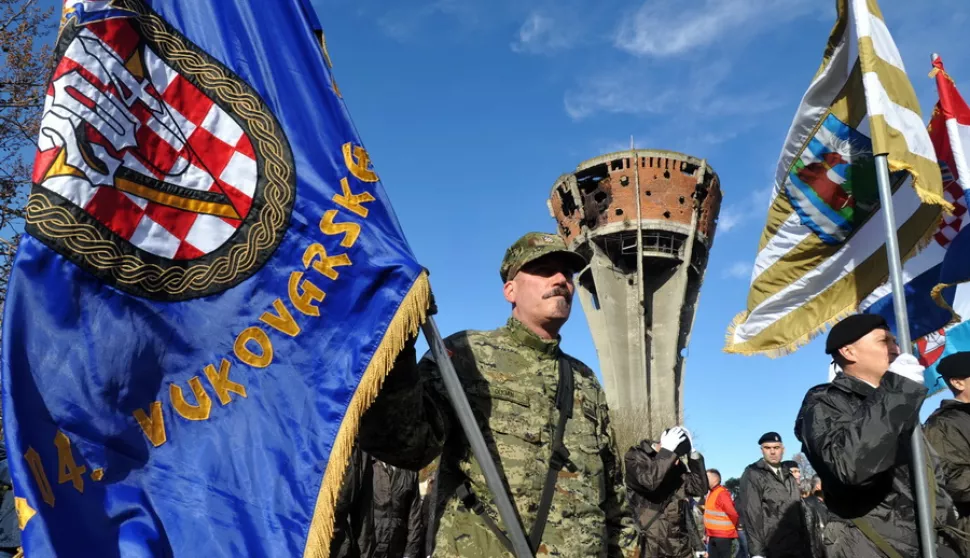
point(210, 291)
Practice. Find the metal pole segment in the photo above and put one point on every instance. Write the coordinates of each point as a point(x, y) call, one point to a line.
point(468, 423)
point(924, 515)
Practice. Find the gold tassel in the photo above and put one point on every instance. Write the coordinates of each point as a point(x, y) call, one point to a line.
point(412, 312)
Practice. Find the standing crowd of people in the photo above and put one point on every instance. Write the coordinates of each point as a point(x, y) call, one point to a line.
point(546, 423)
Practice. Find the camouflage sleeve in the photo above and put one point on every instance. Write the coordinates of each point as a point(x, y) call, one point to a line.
point(620, 528)
point(408, 422)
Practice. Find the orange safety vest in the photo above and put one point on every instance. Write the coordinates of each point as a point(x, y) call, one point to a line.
point(716, 522)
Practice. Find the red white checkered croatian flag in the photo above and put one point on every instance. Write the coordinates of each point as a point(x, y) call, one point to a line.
point(140, 148)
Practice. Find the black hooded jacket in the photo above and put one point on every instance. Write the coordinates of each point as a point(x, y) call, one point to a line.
point(948, 431)
point(658, 484)
point(857, 438)
point(379, 512)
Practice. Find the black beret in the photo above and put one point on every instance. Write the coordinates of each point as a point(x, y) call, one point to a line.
point(852, 329)
point(956, 365)
point(769, 438)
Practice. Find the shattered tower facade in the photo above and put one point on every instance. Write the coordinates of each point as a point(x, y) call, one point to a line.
point(645, 219)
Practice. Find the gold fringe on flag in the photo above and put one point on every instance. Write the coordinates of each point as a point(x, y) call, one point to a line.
point(406, 323)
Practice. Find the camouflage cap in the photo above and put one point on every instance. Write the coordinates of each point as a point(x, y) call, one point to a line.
point(533, 246)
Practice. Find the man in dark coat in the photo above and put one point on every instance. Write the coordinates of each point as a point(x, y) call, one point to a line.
point(948, 431)
point(379, 512)
point(768, 503)
point(658, 484)
point(856, 433)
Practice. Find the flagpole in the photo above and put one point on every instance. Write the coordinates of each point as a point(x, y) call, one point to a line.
point(924, 515)
point(479, 448)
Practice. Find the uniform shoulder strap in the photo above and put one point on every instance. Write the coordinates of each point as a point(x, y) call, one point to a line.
point(565, 393)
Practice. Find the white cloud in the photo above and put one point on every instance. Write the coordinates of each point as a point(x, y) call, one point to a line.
point(701, 94)
point(750, 209)
point(730, 218)
point(739, 270)
point(542, 34)
point(617, 94)
point(664, 27)
point(404, 24)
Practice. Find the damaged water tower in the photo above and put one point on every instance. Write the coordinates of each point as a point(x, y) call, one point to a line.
point(645, 219)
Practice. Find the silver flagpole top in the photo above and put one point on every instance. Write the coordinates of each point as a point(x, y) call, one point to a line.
point(934, 57)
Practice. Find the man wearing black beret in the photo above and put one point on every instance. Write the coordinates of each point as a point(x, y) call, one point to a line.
point(856, 433)
point(948, 431)
point(768, 504)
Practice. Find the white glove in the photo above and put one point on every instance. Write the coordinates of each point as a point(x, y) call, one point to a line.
point(672, 438)
point(908, 367)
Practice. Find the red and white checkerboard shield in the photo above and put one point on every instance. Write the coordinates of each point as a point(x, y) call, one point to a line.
point(142, 149)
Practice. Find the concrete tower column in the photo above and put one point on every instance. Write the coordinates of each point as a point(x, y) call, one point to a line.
point(646, 221)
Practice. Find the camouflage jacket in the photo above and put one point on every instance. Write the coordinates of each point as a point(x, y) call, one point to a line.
point(510, 376)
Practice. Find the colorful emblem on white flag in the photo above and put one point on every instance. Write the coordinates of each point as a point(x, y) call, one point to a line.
point(823, 247)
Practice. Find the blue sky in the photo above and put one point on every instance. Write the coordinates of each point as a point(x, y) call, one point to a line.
point(472, 108)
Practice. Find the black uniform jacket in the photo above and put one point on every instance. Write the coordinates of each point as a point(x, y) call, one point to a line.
point(857, 437)
point(948, 431)
point(769, 510)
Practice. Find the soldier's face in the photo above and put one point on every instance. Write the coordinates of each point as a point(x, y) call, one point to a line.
point(773, 453)
point(542, 291)
point(871, 355)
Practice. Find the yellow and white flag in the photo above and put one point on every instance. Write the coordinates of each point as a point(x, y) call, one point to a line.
point(823, 247)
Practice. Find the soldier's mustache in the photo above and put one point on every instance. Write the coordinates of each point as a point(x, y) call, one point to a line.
point(559, 291)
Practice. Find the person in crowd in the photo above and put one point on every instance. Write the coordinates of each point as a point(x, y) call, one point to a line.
point(566, 482)
point(948, 431)
point(793, 469)
point(720, 518)
point(379, 512)
point(658, 482)
point(767, 503)
point(9, 527)
point(856, 432)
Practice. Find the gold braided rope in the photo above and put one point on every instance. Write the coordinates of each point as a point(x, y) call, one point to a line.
point(98, 248)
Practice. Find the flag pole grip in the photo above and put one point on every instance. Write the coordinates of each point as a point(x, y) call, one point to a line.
point(463, 410)
point(924, 515)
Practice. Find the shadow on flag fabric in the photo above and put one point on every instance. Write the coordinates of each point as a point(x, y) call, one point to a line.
point(210, 292)
point(936, 293)
point(823, 247)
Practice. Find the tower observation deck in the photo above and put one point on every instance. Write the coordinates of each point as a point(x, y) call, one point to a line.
point(645, 219)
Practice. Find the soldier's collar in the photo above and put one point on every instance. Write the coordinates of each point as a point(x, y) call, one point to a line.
point(954, 404)
point(527, 337)
point(854, 385)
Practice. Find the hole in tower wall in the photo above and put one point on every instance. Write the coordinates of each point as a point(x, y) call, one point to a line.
point(589, 179)
point(616, 164)
point(619, 212)
point(667, 174)
point(689, 168)
point(568, 201)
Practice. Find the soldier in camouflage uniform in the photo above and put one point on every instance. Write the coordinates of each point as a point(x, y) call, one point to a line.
point(510, 376)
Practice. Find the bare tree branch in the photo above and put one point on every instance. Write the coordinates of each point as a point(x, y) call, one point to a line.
point(25, 33)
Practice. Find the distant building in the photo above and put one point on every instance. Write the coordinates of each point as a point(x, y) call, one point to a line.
point(646, 221)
